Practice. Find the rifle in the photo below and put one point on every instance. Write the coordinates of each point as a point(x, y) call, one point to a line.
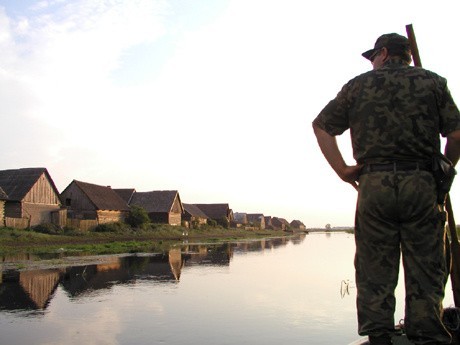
point(454, 244)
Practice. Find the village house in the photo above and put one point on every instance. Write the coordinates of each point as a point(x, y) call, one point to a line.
point(268, 223)
point(162, 206)
point(240, 219)
point(31, 198)
point(297, 225)
point(87, 201)
point(256, 220)
point(280, 223)
point(3, 198)
point(221, 213)
point(193, 215)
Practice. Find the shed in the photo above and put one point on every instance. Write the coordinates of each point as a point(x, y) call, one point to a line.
point(256, 220)
point(90, 201)
point(193, 214)
point(268, 223)
point(297, 225)
point(3, 198)
point(240, 218)
point(162, 206)
point(279, 223)
point(221, 213)
point(32, 196)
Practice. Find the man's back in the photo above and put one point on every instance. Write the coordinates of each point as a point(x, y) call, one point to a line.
point(394, 113)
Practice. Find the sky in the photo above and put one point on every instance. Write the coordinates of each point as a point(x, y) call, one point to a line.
point(213, 98)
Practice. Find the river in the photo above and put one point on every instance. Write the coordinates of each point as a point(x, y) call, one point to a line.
point(291, 291)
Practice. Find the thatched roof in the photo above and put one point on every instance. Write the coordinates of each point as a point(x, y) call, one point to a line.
point(102, 197)
point(194, 211)
point(215, 211)
point(16, 183)
point(125, 193)
point(156, 201)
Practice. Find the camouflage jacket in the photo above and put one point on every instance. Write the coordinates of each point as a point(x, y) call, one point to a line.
point(396, 112)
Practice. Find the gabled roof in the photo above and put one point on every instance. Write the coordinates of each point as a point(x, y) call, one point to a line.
point(283, 221)
point(102, 197)
point(240, 217)
point(194, 211)
point(3, 195)
point(214, 211)
point(255, 217)
point(277, 221)
point(16, 183)
point(155, 201)
point(125, 193)
point(297, 223)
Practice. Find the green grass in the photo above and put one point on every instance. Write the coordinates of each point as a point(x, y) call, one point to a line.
point(158, 238)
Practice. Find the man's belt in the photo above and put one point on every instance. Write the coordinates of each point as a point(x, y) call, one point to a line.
point(396, 166)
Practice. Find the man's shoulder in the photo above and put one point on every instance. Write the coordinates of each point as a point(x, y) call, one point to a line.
point(398, 72)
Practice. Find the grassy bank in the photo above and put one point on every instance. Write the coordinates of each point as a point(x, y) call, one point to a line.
point(161, 238)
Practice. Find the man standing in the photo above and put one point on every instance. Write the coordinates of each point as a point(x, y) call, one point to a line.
point(395, 114)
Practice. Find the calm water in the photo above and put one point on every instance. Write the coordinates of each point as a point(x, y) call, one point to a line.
point(295, 291)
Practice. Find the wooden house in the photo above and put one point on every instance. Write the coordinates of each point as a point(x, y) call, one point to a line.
point(3, 198)
point(257, 220)
point(90, 201)
point(32, 197)
point(286, 224)
point(240, 218)
point(194, 215)
point(268, 223)
point(297, 225)
point(221, 213)
point(162, 206)
point(280, 223)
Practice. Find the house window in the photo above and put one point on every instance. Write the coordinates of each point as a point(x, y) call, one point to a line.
point(68, 202)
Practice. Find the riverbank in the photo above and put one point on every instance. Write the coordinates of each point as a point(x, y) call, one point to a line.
point(14, 241)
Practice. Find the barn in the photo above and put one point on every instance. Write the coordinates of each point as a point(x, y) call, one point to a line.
point(162, 206)
point(90, 201)
point(32, 197)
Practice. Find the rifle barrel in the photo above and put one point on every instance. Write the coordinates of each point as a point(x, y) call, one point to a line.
point(413, 45)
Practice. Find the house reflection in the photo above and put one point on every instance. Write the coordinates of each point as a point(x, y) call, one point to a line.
point(34, 289)
point(28, 289)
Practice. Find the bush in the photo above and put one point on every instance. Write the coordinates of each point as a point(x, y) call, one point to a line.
point(138, 217)
point(211, 222)
point(74, 231)
point(48, 228)
point(111, 227)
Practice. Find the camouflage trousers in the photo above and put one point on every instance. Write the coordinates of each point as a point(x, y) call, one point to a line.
point(396, 214)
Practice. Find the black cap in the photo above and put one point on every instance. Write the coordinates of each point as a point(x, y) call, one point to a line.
point(390, 41)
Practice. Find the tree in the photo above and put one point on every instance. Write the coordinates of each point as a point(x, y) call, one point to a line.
point(138, 217)
point(328, 227)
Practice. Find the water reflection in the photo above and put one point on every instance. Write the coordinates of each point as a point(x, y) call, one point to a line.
point(34, 289)
point(28, 289)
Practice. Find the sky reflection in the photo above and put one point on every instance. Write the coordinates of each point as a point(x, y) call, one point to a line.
point(240, 293)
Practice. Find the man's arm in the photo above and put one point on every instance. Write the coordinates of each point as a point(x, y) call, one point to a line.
point(452, 149)
point(331, 151)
